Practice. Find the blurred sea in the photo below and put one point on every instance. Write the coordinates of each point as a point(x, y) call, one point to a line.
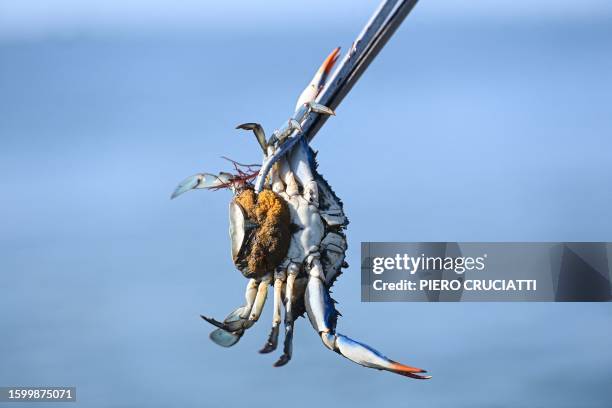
point(464, 131)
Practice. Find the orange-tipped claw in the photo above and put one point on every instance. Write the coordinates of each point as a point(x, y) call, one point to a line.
point(329, 62)
point(368, 357)
point(408, 371)
point(310, 93)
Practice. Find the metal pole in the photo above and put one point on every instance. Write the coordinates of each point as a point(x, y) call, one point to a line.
point(383, 23)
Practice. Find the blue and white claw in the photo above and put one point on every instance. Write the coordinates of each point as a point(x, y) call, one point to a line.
point(318, 81)
point(228, 332)
point(366, 356)
point(323, 315)
point(202, 180)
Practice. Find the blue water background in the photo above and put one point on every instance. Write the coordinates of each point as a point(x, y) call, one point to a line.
point(474, 129)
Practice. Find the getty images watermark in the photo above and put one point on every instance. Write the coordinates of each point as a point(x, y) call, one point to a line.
point(459, 265)
point(451, 271)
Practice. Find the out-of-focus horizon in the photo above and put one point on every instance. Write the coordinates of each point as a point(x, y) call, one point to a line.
point(479, 121)
point(32, 19)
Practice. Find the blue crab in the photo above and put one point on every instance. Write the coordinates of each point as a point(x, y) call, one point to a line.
point(287, 231)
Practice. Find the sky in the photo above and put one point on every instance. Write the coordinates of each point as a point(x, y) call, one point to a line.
point(35, 18)
point(475, 123)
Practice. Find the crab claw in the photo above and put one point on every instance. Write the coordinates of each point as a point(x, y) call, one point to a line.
point(368, 357)
point(314, 87)
point(202, 180)
point(189, 183)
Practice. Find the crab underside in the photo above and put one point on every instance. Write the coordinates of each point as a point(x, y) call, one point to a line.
point(287, 231)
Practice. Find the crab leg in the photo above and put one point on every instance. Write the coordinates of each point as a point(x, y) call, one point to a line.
point(323, 315)
point(292, 272)
point(260, 298)
point(272, 341)
point(249, 296)
point(301, 162)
